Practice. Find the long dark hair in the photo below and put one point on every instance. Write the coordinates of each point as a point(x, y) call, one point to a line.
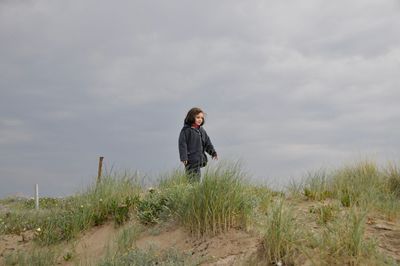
point(191, 115)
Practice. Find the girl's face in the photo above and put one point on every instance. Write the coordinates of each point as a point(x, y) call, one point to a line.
point(198, 119)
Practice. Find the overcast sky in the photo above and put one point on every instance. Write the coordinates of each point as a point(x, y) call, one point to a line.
point(287, 86)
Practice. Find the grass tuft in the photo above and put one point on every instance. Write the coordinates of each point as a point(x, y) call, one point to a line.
point(281, 234)
point(43, 257)
point(216, 204)
point(325, 213)
point(317, 186)
point(362, 184)
point(343, 241)
point(392, 174)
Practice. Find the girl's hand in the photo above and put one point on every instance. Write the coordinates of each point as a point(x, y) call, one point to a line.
point(185, 162)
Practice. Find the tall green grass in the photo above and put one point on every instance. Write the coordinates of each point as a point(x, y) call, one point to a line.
point(317, 185)
point(281, 235)
point(174, 189)
point(344, 242)
point(114, 198)
point(175, 178)
point(18, 221)
point(221, 201)
point(261, 197)
point(224, 199)
point(160, 203)
point(392, 175)
point(110, 199)
point(34, 257)
point(363, 184)
point(357, 184)
point(216, 204)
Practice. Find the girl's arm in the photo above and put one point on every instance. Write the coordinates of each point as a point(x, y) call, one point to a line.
point(182, 146)
point(209, 148)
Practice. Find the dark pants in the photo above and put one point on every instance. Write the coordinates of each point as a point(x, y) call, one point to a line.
point(193, 172)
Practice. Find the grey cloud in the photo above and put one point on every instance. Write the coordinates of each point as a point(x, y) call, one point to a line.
point(286, 86)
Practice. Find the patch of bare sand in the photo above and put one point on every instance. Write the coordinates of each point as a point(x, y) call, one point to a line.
point(170, 237)
point(92, 245)
point(14, 243)
point(88, 248)
point(387, 234)
point(234, 247)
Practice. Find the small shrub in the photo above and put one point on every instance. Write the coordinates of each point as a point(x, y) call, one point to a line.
point(346, 199)
point(150, 208)
point(60, 225)
point(44, 203)
point(121, 214)
point(68, 256)
point(18, 221)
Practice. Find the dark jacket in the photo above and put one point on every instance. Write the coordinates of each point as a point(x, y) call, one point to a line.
point(193, 143)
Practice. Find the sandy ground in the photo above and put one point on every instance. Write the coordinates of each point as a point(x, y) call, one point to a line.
point(13, 243)
point(231, 248)
point(235, 247)
point(388, 236)
point(93, 244)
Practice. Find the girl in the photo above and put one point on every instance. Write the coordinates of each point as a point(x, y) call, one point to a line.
point(193, 143)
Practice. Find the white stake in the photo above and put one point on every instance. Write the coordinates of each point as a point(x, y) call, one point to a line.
point(37, 197)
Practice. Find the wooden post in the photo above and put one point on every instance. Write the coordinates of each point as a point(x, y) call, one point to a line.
point(100, 167)
point(37, 196)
